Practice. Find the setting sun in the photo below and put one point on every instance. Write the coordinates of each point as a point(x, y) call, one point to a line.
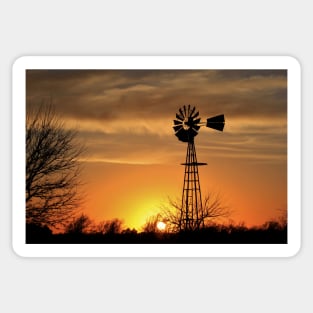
point(161, 226)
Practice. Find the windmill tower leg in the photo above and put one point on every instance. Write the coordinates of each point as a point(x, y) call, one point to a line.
point(191, 215)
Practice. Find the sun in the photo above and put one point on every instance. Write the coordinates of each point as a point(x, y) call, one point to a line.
point(161, 226)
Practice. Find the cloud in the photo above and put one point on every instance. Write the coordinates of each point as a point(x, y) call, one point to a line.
point(131, 148)
point(127, 115)
point(154, 93)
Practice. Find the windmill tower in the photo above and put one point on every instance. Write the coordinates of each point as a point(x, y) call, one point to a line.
point(186, 127)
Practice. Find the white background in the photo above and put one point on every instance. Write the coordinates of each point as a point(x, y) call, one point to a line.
point(155, 28)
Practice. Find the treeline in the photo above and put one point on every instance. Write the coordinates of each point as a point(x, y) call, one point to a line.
point(272, 232)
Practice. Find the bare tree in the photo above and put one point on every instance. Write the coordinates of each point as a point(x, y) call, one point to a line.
point(79, 225)
point(212, 209)
point(52, 168)
point(111, 227)
point(151, 223)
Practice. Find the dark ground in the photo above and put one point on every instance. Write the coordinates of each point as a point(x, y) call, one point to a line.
point(271, 234)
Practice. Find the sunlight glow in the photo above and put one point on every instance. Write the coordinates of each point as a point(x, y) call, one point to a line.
point(161, 226)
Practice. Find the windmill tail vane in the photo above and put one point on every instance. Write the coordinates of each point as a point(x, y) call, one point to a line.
point(216, 122)
point(186, 127)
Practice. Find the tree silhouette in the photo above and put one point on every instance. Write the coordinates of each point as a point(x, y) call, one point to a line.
point(151, 223)
point(111, 227)
point(79, 225)
point(52, 168)
point(212, 209)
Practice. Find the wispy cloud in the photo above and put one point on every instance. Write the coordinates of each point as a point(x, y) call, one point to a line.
point(126, 116)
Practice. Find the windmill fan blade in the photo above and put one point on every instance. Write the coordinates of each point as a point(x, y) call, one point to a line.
point(196, 121)
point(179, 117)
point(196, 127)
point(196, 115)
point(193, 109)
point(186, 123)
point(216, 122)
point(181, 113)
point(177, 128)
point(192, 132)
point(182, 135)
point(176, 122)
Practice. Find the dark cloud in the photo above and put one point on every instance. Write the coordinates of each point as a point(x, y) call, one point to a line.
point(155, 93)
point(246, 74)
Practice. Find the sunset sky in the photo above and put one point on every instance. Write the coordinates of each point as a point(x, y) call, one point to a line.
point(132, 160)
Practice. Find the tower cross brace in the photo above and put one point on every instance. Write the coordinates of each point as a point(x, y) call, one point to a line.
point(191, 215)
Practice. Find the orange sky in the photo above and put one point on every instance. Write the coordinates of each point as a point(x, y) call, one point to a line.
point(132, 160)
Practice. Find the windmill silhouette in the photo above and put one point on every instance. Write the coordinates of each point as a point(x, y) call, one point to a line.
point(186, 127)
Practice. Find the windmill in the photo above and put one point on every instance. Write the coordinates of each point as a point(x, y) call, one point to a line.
point(186, 127)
